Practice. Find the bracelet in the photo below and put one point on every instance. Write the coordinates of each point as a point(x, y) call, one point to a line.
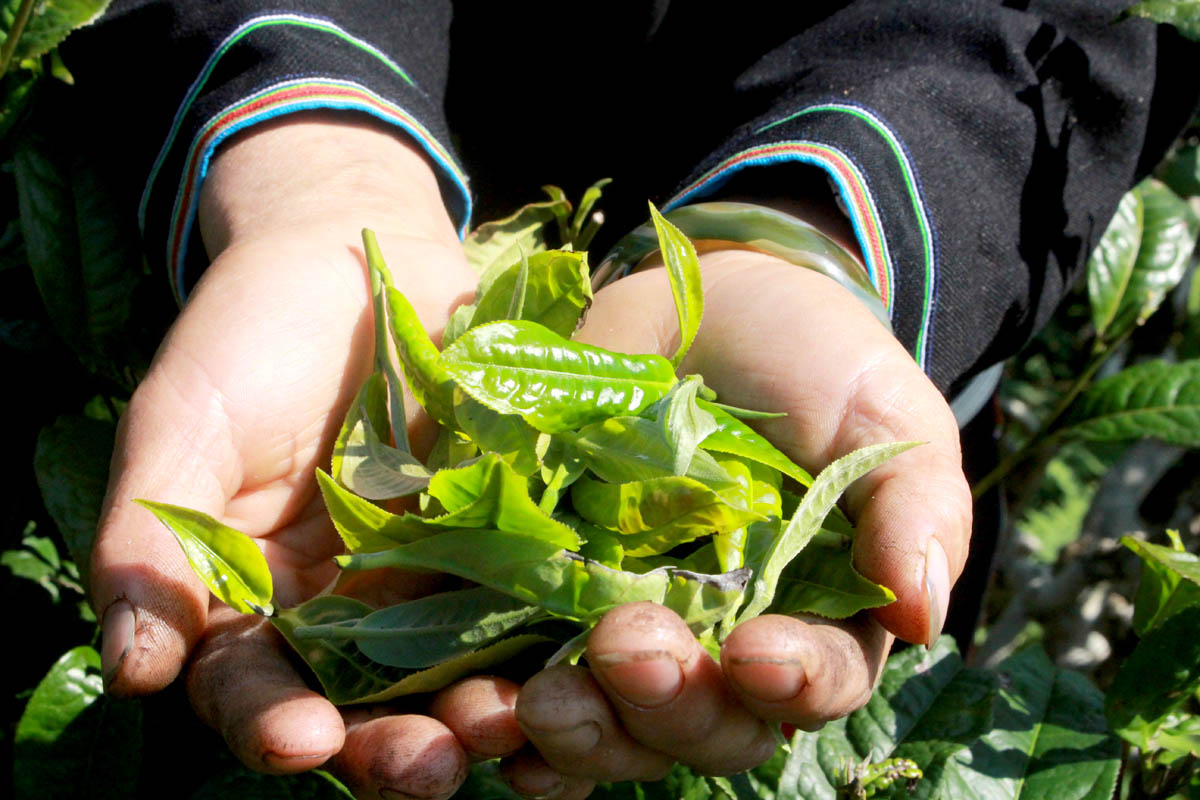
point(754, 227)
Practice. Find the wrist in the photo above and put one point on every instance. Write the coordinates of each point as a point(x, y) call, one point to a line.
point(319, 171)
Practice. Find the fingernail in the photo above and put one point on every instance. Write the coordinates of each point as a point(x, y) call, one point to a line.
point(770, 680)
point(117, 631)
point(648, 679)
point(293, 763)
point(578, 740)
point(937, 589)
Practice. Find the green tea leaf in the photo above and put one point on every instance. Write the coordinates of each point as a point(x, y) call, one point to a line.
point(583, 226)
point(556, 294)
point(1161, 673)
point(363, 462)
point(1049, 739)
point(555, 384)
point(490, 494)
point(507, 435)
point(530, 569)
point(364, 526)
point(737, 438)
point(822, 580)
point(561, 467)
point(51, 22)
point(1170, 583)
point(1183, 14)
point(816, 505)
point(348, 676)
point(429, 383)
point(85, 259)
point(623, 449)
point(1168, 237)
point(1111, 264)
point(926, 708)
point(1156, 398)
point(684, 424)
point(432, 629)
point(71, 464)
point(500, 243)
point(701, 600)
point(227, 560)
point(394, 419)
point(72, 735)
point(683, 269)
point(657, 514)
point(458, 323)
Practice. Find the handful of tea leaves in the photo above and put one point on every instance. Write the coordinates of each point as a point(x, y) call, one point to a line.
point(567, 480)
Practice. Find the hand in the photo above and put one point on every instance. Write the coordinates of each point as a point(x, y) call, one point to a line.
point(240, 406)
point(775, 337)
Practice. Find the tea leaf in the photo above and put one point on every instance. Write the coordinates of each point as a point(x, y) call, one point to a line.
point(363, 462)
point(623, 449)
point(701, 600)
point(429, 383)
point(530, 569)
point(432, 629)
point(1183, 14)
point(348, 676)
point(683, 270)
point(561, 467)
point(227, 560)
point(684, 424)
point(581, 222)
point(394, 420)
point(511, 437)
point(1156, 398)
point(1170, 582)
point(364, 526)
point(554, 383)
point(490, 494)
point(72, 735)
point(1160, 674)
point(1048, 739)
point(51, 23)
point(816, 505)
point(1111, 264)
point(737, 438)
point(657, 514)
point(556, 294)
point(822, 580)
point(500, 243)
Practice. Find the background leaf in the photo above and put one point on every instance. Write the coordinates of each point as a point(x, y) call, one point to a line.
point(71, 463)
point(1183, 14)
point(50, 23)
point(1157, 398)
point(1170, 582)
point(246, 784)
point(73, 736)
point(227, 560)
point(1160, 673)
point(1111, 264)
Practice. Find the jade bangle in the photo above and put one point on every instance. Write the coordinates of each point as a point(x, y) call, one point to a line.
point(758, 228)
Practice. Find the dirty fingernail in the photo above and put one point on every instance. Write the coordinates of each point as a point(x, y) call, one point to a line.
point(578, 740)
point(647, 679)
point(291, 764)
point(937, 589)
point(770, 680)
point(118, 628)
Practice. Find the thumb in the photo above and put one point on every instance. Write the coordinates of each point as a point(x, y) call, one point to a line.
point(174, 445)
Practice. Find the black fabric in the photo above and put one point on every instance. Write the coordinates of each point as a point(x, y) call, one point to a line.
point(1024, 121)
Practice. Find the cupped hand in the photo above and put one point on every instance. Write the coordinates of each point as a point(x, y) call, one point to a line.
point(240, 406)
point(775, 337)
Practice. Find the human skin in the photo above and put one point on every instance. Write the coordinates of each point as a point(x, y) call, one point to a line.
point(247, 392)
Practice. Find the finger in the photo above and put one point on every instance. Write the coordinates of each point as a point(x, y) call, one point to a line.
point(528, 774)
point(567, 717)
point(240, 683)
point(670, 694)
point(913, 513)
point(399, 756)
point(482, 714)
point(805, 673)
point(152, 607)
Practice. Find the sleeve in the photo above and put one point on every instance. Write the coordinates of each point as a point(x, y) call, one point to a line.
point(979, 150)
point(172, 80)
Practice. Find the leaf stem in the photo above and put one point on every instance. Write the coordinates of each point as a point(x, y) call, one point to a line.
point(14, 34)
point(1047, 430)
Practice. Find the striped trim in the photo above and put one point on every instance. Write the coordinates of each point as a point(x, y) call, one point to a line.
point(274, 101)
point(851, 184)
point(916, 199)
point(247, 27)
